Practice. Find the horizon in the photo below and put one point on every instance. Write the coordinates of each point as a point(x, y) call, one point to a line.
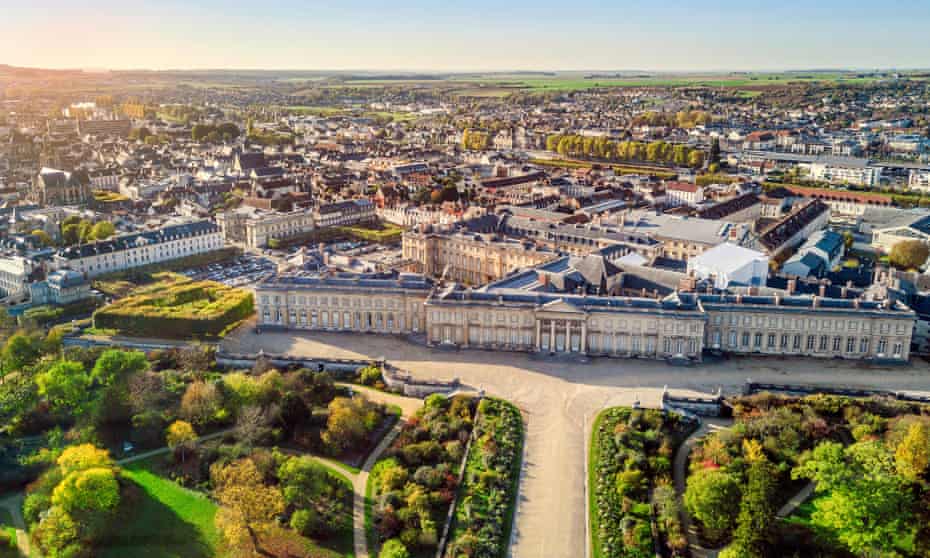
point(416, 36)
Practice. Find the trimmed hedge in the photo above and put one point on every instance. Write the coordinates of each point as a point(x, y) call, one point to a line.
point(177, 307)
point(484, 510)
point(49, 314)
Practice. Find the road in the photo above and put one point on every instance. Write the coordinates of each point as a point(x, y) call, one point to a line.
point(560, 399)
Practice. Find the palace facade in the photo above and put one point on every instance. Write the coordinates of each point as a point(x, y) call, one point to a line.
point(680, 326)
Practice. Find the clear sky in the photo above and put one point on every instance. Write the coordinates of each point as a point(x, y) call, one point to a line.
point(466, 35)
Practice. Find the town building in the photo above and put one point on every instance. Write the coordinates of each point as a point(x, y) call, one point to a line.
point(57, 187)
point(254, 227)
point(143, 248)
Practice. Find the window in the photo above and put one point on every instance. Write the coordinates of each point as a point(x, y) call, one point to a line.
point(757, 340)
point(864, 345)
point(797, 343)
point(784, 341)
point(745, 338)
point(823, 343)
point(898, 348)
point(732, 338)
point(851, 345)
point(882, 345)
point(837, 341)
point(771, 341)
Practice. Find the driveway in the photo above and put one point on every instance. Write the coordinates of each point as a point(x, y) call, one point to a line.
point(560, 399)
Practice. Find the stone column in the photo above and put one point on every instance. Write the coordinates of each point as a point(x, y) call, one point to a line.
point(568, 336)
point(552, 335)
point(584, 337)
point(538, 334)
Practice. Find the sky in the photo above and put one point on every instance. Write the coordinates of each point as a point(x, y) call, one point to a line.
point(472, 35)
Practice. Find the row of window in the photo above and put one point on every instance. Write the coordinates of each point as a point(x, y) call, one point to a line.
point(810, 343)
point(802, 323)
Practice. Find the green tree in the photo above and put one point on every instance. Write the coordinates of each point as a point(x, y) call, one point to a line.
point(248, 506)
point(71, 234)
point(909, 254)
point(756, 520)
point(65, 385)
point(863, 501)
point(712, 497)
point(393, 548)
point(20, 350)
point(116, 365)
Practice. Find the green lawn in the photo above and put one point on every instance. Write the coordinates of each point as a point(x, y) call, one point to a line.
point(161, 519)
point(593, 457)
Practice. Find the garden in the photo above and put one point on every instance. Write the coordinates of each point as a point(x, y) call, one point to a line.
point(484, 509)
point(177, 307)
point(411, 488)
point(865, 459)
point(633, 506)
point(216, 485)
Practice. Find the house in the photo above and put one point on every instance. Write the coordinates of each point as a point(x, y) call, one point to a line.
point(683, 193)
point(817, 256)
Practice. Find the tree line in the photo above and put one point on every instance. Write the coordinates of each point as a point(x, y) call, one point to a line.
point(573, 145)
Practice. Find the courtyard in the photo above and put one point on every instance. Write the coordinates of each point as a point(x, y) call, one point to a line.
point(560, 399)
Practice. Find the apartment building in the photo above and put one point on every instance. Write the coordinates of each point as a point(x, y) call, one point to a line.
point(143, 248)
point(845, 170)
point(345, 213)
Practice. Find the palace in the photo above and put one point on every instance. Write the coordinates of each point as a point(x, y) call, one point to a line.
point(579, 306)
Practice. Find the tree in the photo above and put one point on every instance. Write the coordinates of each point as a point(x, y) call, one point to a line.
point(714, 155)
point(115, 365)
point(393, 548)
point(180, 436)
point(863, 501)
point(757, 509)
point(909, 254)
point(90, 491)
point(200, 403)
point(196, 359)
point(20, 350)
point(248, 506)
point(102, 230)
point(83, 456)
point(912, 455)
point(251, 425)
point(42, 237)
point(71, 234)
point(349, 423)
point(712, 497)
point(65, 385)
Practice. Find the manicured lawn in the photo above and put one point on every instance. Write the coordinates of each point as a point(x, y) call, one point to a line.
point(593, 458)
point(162, 519)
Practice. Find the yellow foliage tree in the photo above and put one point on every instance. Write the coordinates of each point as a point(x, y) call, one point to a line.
point(912, 457)
point(248, 506)
point(180, 435)
point(84, 456)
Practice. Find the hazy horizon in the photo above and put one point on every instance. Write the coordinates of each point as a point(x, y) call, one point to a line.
point(677, 36)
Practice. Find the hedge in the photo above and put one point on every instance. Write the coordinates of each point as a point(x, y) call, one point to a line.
point(49, 314)
point(177, 307)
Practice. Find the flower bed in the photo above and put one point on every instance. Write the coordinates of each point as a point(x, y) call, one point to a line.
point(412, 488)
point(630, 458)
point(484, 510)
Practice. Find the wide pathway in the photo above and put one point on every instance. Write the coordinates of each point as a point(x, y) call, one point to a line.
point(560, 399)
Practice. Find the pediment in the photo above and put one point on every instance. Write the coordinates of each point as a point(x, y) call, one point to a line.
point(560, 306)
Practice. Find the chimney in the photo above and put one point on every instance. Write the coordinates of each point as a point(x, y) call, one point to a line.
point(822, 290)
point(888, 303)
point(856, 303)
point(543, 278)
point(739, 298)
point(792, 286)
point(843, 291)
point(816, 301)
point(777, 299)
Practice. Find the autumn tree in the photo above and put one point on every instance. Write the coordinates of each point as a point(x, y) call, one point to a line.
point(912, 456)
point(349, 423)
point(248, 507)
point(180, 437)
point(909, 254)
point(200, 403)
